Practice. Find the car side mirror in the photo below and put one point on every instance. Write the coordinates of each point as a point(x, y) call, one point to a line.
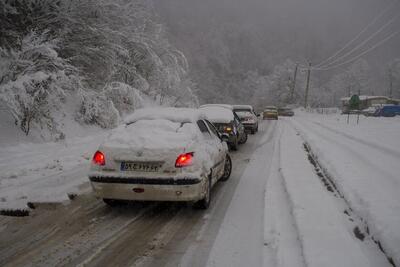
point(224, 137)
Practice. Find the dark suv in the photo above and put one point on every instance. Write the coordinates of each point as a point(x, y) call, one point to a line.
point(227, 122)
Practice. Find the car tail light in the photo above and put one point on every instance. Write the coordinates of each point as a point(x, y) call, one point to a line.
point(228, 129)
point(99, 158)
point(184, 160)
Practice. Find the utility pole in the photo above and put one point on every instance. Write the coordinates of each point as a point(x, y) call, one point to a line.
point(294, 83)
point(390, 82)
point(307, 85)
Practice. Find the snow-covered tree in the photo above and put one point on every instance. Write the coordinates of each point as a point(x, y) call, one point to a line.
point(109, 53)
point(355, 79)
point(34, 82)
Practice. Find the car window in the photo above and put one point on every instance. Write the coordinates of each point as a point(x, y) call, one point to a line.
point(243, 114)
point(202, 126)
point(212, 128)
point(236, 119)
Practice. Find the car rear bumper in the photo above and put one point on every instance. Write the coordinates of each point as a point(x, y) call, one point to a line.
point(270, 116)
point(248, 127)
point(159, 189)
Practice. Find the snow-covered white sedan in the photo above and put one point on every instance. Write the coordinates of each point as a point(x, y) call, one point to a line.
point(161, 154)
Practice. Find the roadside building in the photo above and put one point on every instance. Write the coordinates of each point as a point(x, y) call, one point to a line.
point(368, 101)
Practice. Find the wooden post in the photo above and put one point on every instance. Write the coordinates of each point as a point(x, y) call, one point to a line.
point(294, 83)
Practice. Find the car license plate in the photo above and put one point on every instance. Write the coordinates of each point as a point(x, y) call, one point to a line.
point(141, 166)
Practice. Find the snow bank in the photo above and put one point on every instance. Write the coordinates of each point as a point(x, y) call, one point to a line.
point(363, 160)
point(45, 172)
point(325, 239)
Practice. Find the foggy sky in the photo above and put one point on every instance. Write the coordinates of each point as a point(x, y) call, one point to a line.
point(299, 29)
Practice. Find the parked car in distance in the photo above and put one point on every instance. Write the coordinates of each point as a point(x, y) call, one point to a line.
point(270, 112)
point(388, 111)
point(248, 117)
point(369, 112)
point(285, 112)
point(226, 122)
point(161, 154)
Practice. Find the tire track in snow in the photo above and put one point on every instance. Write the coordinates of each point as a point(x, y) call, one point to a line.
point(281, 233)
point(357, 223)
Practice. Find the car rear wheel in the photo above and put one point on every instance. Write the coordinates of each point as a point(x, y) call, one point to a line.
point(243, 139)
point(227, 168)
point(234, 145)
point(204, 203)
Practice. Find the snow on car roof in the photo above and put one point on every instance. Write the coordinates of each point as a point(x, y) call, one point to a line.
point(218, 105)
point(247, 107)
point(364, 97)
point(158, 134)
point(217, 114)
point(169, 113)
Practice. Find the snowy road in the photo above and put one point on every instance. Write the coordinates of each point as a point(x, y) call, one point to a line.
point(88, 233)
point(304, 191)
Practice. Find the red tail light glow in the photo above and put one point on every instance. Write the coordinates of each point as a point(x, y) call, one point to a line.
point(184, 160)
point(99, 158)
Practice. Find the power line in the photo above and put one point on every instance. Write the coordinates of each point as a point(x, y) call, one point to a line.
point(389, 7)
point(362, 54)
point(361, 44)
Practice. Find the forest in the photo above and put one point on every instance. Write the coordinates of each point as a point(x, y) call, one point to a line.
point(99, 60)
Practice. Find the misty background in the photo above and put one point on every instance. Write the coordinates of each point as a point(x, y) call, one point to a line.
point(226, 41)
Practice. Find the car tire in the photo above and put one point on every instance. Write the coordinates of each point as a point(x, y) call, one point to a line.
point(243, 139)
point(112, 202)
point(227, 169)
point(234, 145)
point(204, 203)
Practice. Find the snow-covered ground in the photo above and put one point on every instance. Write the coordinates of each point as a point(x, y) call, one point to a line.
point(33, 171)
point(321, 206)
point(312, 190)
point(361, 163)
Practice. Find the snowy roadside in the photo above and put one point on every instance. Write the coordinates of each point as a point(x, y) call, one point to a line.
point(44, 172)
point(362, 162)
point(325, 232)
point(240, 241)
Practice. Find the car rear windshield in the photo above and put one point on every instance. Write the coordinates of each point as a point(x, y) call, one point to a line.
point(244, 113)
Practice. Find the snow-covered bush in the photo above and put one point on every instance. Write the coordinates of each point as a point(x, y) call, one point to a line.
point(97, 109)
point(124, 97)
point(34, 83)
